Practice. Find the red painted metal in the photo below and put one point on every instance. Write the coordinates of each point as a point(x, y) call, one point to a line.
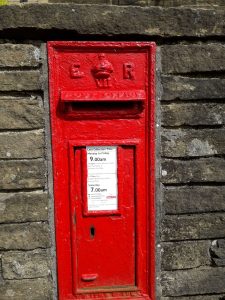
point(102, 94)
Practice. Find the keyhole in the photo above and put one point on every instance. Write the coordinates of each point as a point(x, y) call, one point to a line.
point(92, 232)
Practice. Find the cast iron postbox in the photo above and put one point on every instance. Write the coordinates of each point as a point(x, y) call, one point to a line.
point(102, 123)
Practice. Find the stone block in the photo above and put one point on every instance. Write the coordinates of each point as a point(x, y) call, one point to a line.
point(113, 19)
point(20, 80)
point(173, 3)
point(21, 113)
point(19, 55)
point(193, 114)
point(180, 58)
point(26, 264)
point(197, 3)
point(23, 207)
point(20, 145)
point(192, 143)
point(24, 236)
point(193, 282)
point(185, 255)
point(194, 199)
point(193, 227)
point(26, 174)
point(99, 2)
point(188, 88)
point(199, 170)
point(27, 289)
point(197, 297)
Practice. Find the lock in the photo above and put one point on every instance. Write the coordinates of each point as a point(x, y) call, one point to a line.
point(102, 122)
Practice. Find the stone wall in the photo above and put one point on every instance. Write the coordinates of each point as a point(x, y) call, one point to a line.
point(164, 3)
point(26, 259)
point(191, 147)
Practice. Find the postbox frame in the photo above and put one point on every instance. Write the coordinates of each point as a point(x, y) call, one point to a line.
point(63, 219)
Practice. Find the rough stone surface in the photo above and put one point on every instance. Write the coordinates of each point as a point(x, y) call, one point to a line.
point(168, 3)
point(205, 297)
point(194, 199)
point(109, 20)
point(21, 113)
point(32, 289)
point(186, 88)
point(164, 3)
point(19, 55)
point(23, 207)
point(20, 80)
point(193, 114)
point(26, 174)
point(193, 282)
point(193, 58)
point(25, 236)
point(135, 2)
point(185, 255)
point(82, 1)
point(217, 252)
point(192, 143)
point(184, 227)
point(201, 170)
point(28, 144)
point(26, 264)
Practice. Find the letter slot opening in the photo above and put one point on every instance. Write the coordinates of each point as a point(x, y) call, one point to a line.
point(102, 110)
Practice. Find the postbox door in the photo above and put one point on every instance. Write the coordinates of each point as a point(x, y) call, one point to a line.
point(104, 231)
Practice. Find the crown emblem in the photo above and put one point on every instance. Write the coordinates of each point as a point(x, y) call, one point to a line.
point(102, 72)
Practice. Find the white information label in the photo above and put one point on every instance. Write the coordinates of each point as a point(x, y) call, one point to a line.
point(102, 188)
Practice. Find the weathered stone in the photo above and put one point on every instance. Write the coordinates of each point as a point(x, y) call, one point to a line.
point(19, 55)
point(28, 144)
point(165, 3)
point(25, 236)
point(173, 3)
point(193, 58)
point(192, 143)
point(26, 264)
point(109, 20)
point(32, 289)
point(200, 170)
point(199, 297)
point(19, 80)
point(184, 227)
point(190, 2)
point(187, 88)
point(23, 207)
point(194, 199)
point(185, 255)
point(217, 252)
point(193, 114)
point(21, 113)
point(1, 278)
point(81, 1)
point(193, 282)
point(135, 2)
point(22, 174)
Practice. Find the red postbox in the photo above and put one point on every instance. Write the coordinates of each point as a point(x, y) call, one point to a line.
point(102, 123)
